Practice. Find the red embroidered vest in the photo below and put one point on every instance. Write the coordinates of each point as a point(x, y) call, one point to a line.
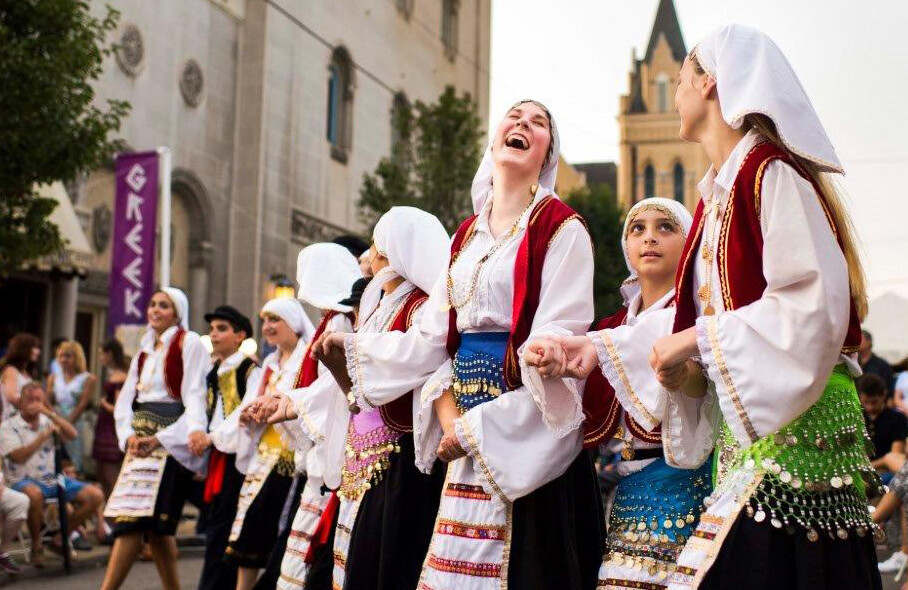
point(739, 254)
point(546, 219)
point(308, 371)
point(173, 365)
point(398, 415)
point(601, 408)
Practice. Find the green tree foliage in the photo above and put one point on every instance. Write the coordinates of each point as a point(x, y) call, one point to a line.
point(50, 52)
point(604, 217)
point(433, 160)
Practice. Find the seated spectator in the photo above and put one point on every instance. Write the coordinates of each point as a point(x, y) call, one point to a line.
point(871, 364)
point(27, 448)
point(13, 511)
point(887, 427)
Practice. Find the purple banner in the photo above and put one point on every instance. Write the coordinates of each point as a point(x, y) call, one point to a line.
point(133, 251)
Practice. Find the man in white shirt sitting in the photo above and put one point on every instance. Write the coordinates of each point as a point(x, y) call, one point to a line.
point(27, 448)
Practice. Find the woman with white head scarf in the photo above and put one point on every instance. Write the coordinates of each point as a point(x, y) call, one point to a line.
point(162, 401)
point(325, 273)
point(388, 506)
point(263, 455)
point(666, 500)
point(769, 299)
point(520, 505)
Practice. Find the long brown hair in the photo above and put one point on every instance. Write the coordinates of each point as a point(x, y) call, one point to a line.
point(831, 193)
point(835, 206)
point(19, 354)
point(115, 350)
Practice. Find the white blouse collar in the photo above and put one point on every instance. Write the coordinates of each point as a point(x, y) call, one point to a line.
point(148, 340)
point(482, 222)
point(637, 301)
point(231, 362)
point(724, 179)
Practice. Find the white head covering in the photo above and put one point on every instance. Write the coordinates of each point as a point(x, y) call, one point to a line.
point(180, 304)
point(753, 76)
point(291, 311)
point(325, 272)
point(416, 246)
point(482, 182)
point(674, 210)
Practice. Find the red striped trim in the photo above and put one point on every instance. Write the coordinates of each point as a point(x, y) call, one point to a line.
point(466, 568)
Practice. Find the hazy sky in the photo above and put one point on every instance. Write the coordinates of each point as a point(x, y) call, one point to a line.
point(852, 58)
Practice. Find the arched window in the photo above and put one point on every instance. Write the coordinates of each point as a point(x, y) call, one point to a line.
point(449, 28)
point(678, 175)
point(401, 121)
point(340, 104)
point(662, 84)
point(649, 181)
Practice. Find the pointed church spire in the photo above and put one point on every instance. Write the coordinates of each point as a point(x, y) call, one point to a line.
point(667, 23)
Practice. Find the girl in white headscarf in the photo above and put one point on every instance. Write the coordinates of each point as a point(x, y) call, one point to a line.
point(162, 401)
point(300, 557)
point(519, 508)
point(665, 500)
point(770, 296)
point(387, 507)
point(266, 459)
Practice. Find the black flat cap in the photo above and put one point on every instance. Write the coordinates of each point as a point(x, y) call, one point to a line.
point(230, 314)
point(356, 293)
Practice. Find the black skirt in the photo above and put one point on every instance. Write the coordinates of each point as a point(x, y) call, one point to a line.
point(268, 579)
point(261, 524)
point(176, 481)
point(758, 556)
point(216, 574)
point(393, 527)
point(558, 532)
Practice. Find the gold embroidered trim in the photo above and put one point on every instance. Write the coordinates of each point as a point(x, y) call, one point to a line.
point(722, 252)
point(478, 456)
point(622, 374)
point(310, 426)
point(506, 551)
point(711, 323)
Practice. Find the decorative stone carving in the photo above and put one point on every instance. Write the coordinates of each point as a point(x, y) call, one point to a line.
point(306, 229)
point(192, 83)
point(101, 227)
point(130, 51)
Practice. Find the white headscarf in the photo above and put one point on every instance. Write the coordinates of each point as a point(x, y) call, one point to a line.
point(180, 304)
point(482, 182)
point(675, 211)
point(291, 311)
point(325, 273)
point(753, 76)
point(416, 246)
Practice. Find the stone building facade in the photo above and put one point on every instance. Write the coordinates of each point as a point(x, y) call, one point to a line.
point(274, 110)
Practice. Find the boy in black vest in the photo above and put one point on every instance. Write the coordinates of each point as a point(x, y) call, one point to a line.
point(232, 376)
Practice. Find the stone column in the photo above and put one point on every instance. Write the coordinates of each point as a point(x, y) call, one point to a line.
point(65, 294)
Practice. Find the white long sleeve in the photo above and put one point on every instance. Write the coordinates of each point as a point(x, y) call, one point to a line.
point(770, 360)
point(173, 438)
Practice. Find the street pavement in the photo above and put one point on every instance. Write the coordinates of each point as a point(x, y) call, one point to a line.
point(88, 576)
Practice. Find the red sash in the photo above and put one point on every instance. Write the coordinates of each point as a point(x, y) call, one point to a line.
point(398, 415)
point(739, 254)
point(546, 219)
point(173, 365)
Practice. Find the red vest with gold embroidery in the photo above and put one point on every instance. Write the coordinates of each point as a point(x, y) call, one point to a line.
point(398, 415)
point(308, 371)
point(173, 365)
point(546, 219)
point(739, 254)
